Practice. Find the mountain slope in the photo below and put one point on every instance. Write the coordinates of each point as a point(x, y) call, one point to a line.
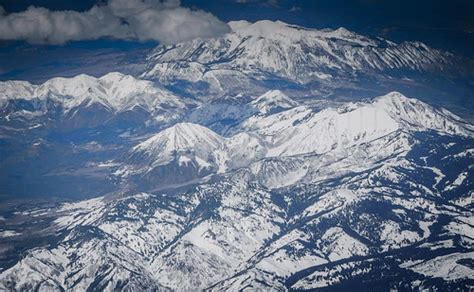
point(301, 130)
point(242, 173)
point(182, 137)
point(266, 50)
point(390, 216)
point(195, 151)
point(86, 101)
point(417, 115)
point(114, 90)
point(273, 101)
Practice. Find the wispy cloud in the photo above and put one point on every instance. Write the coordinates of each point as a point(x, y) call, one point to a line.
point(295, 9)
point(163, 21)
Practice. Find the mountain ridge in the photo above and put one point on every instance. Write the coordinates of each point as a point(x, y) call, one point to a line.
point(233, 166)
point(264, 49)
point(73, 91)
point(287, 134)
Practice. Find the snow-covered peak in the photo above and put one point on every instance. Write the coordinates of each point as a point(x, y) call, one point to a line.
point(125, 91)
point(301, 130)
point(15, 89)
point(188, 143)
point(273, 100)
point(114, 90)
point(290, 134)
point(279, 30)
point(342, 31)
point(182, 138)
point(113, 77)
point(264, 28)
point(73, 91)
point(417, 115)
point(289, 51)
point(74, 86)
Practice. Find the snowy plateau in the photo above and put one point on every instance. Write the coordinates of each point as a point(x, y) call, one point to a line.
point(240, 163)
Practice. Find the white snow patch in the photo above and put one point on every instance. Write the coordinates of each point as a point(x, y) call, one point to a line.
point(9, 233)
point(446, 267)
point(457, 182)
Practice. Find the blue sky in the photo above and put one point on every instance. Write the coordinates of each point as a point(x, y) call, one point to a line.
point(448, 25)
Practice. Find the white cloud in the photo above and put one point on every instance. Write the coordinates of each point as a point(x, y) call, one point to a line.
point(295, 9)
point(166, 22)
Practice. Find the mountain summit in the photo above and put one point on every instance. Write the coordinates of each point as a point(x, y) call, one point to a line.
point(297, 198)
point(249, 161)
point(275, 50)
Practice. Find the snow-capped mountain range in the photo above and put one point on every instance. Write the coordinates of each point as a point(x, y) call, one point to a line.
point(195, 151)
point(114, 91)
point(86, 101)
point(287, 51)
point(265, 50)
point(253, 186)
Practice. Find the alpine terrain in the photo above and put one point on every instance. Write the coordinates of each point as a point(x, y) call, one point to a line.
point(274, 157)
